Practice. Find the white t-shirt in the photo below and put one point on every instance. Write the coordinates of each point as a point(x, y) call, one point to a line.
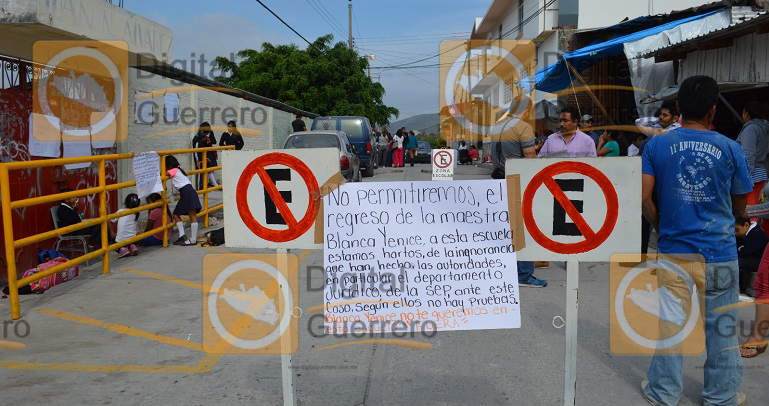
point(126, 227)
point(178, 178)
point(632, 150)
point(398, 141)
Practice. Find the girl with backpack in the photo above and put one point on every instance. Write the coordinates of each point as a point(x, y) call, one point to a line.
point(189, 203)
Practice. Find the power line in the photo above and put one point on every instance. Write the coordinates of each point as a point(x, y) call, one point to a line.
point(320, 3)
point(355, 17)
point(417, 77)
point(531, 17)
point(407, 42)
point(320, 13)
point(284, 23)
point(453, 34)
point(430, 57)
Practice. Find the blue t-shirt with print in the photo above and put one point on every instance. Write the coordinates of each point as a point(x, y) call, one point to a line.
point(696, 172)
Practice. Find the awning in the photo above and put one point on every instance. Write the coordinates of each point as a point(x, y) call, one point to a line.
point(557, 76)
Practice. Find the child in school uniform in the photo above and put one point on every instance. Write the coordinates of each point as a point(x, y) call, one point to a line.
point(126, 226)
point(189, 203)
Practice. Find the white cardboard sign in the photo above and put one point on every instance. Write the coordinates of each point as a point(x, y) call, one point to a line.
point(400, 256)
point(282, 212)
point(584, 209)
point(444, 161)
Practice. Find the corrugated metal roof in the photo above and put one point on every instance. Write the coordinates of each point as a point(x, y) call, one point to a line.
point(742, 23)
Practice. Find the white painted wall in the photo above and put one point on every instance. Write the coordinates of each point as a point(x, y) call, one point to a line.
point(604, 13)
point(93, 19)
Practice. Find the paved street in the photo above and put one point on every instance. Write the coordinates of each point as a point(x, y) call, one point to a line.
point(133, 338)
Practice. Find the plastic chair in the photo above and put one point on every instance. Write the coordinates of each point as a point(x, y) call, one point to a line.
point(78, 239)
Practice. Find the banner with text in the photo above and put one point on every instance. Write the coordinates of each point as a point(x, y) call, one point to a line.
point(398, 255)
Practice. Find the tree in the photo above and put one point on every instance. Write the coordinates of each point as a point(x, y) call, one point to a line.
point(324, 79)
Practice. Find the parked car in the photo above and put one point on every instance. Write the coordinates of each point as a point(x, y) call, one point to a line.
point(360, 133)
point(424, 152)
point(349, 164)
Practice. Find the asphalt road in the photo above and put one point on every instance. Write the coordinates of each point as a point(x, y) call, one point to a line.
point(132, 338)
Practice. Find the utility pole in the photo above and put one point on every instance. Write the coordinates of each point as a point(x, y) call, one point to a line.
point(349, 18)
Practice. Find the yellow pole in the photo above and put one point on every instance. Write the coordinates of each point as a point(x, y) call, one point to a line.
point(10, 253)
point(205, 190)
point(103, 215)
point(163, 197)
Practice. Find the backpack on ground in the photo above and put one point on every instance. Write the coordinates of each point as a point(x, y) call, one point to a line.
point(47, 255)
point(215, 238)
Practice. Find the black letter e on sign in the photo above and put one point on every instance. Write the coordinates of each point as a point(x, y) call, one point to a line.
point(560, 226)
point(270, 211)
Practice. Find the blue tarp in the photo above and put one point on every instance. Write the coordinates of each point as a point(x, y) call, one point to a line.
point(556, 76)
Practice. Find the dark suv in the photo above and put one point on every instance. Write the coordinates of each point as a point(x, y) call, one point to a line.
point(360, 133)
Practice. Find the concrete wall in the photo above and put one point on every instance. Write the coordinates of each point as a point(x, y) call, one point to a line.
point(195, 107)
point(604, 13)
point(99, 20)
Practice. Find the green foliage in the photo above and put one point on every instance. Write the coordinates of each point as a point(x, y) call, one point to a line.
point(324, 79)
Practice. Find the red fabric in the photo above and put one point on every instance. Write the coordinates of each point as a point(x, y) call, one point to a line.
point(398, 157)
point(474, 153)
point(762, 278)
point(756, 193)
point(156, 217)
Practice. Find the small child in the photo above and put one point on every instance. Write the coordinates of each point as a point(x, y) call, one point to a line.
point(189, 203)
point(751, 242)
point(126, 226)
point(635, 144)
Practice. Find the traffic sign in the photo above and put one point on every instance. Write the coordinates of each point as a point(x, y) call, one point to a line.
point(272, 202)
point(443, 164)
point(579, 209)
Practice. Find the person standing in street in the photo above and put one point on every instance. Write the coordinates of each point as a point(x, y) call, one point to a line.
point(702, 180)
point(514, 143)
point(205, 139)
point(232, 137)
point(576, 143)
point(754, 140)
point(298, 124)
point(586, 123)
point(412, 146)
point(398, 145)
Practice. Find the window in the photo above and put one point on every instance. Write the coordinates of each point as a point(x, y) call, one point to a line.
point(353, 127)
point(313, 141)
point(324, 124)
point(520, 16)
point(495, 96)
point(507, 97)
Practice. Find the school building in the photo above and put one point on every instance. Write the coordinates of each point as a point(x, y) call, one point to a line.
point(166, 121)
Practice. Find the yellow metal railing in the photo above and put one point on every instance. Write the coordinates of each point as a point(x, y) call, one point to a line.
point(102, 189)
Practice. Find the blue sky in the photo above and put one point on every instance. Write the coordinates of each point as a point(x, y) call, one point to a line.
point(380, 27)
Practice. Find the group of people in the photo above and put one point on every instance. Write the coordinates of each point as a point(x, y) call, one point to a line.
point(396, 146)
point(120, 229)
point(125, 227)
point(205, 138)
point(698, 200)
